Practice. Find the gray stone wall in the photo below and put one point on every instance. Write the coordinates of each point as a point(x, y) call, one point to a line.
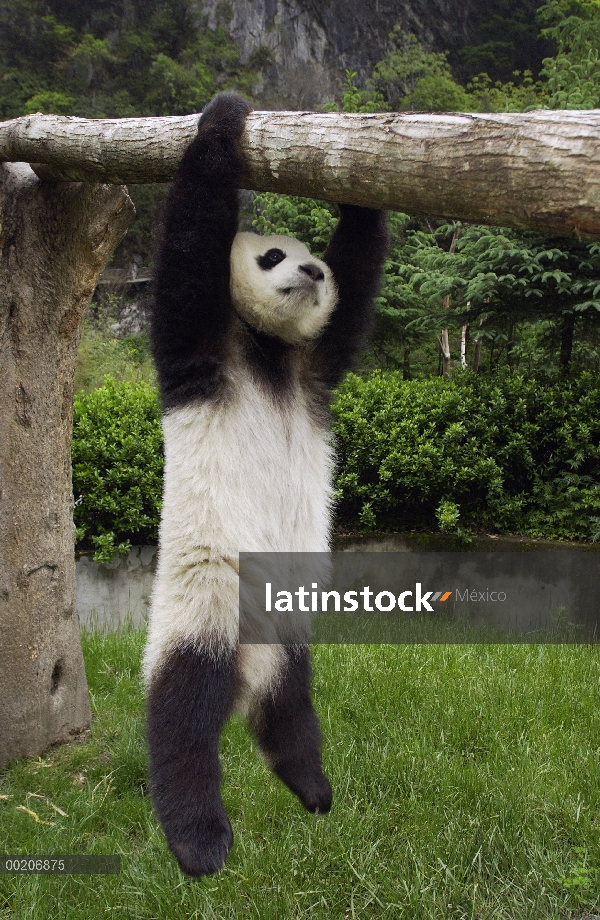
point(108, 596)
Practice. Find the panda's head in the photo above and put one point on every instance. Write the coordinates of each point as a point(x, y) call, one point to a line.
point(280, 288)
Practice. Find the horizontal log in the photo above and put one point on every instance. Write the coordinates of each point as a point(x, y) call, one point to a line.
point(538, 170)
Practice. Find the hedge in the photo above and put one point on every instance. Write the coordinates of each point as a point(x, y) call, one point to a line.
point(118, 463)
point(501, 453)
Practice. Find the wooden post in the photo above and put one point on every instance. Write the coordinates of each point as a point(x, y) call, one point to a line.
point(54, 241)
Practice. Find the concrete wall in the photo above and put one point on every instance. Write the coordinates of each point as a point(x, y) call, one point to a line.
point(113, 594)
point(108, 595)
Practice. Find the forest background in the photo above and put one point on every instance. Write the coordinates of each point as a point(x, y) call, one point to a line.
point(476, 405)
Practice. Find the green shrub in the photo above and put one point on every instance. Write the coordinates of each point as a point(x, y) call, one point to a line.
point(101, 354)
point(117, 467)
point(447, 514)
point(500, 453)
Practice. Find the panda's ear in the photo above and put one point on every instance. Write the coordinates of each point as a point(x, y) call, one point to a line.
point(271, 258)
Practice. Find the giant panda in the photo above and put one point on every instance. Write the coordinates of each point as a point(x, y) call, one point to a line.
point(249, 335)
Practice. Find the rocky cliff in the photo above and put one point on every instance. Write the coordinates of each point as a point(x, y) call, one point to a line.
point(304, 46)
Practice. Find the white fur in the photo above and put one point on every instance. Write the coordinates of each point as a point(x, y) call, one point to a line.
point(244, 474)
point(259, 297)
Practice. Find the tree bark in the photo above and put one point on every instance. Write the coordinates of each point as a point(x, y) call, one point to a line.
point(567, 334)
point(463, 348)
point(536, 170)
point(444, 339)
point(479, 340)
point(477, 349)
point(54, 241)
point(406, 364)
point(445, 350)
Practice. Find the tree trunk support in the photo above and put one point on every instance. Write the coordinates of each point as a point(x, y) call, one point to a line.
point(54, 241)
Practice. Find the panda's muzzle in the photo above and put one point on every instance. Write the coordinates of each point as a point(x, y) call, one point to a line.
point(313, 271)
point(308, 278)
point(310, 275)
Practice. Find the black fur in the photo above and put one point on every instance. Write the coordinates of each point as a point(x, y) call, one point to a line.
point(270, 259)
point(287, 729)
point(355, 256)
point(272, 361)
point(192, 310)
point(189, 702)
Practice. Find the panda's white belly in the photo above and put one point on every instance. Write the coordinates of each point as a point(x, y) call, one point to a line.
point(244, 475)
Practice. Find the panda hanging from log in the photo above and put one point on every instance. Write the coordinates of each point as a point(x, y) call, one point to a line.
point(249, 335)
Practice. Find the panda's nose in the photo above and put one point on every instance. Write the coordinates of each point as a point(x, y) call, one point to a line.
point(313, 271)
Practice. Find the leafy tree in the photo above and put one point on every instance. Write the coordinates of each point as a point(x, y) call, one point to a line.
point(522, 94)
point(155, 59)
point(402, 325)
point(573, 74)
point(357, 100)
point(105, 60)
point(526, 277)
point(504, 40)
point(32, 48)
point(410, 78)
point(50, 103)
point(508, 278)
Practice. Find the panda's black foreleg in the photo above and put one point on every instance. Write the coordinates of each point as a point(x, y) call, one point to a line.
point(191, 697)
point(287, 730)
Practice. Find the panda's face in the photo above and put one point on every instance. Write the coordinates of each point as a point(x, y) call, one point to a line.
point(280, 288)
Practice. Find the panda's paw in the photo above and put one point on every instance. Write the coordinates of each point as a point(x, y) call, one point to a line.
point(316, 795)
point(312, 788)
point(203, 849)
point(224, 116)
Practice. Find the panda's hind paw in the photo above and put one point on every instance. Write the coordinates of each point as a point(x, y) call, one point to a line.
point(204, 851)
point(312, 787)
point(316, 796)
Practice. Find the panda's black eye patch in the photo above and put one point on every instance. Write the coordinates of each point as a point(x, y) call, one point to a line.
point(271, 258)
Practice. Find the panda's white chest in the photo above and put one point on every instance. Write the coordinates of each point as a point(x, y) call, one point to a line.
point(248, 474)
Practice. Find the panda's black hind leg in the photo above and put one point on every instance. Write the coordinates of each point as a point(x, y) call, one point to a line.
point(287, 730)
point(191, 697)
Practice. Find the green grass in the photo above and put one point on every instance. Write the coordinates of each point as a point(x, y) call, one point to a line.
point(466, 782)
point(126, 360)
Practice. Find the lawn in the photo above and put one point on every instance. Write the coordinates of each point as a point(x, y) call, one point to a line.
point(466, 784)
